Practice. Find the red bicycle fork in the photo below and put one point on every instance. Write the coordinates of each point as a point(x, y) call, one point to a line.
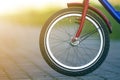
point(82, 20)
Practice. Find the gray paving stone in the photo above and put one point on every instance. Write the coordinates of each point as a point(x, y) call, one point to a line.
point(20, 58)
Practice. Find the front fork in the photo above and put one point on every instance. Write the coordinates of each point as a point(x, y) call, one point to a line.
point(82, 20)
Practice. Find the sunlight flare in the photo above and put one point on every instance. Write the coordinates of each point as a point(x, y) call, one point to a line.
point(9, 6)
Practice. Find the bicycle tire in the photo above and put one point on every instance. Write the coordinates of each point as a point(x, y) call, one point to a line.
point(64, 67)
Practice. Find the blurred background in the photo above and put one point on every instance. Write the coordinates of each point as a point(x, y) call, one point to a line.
point(20, 25)
point(36, 12)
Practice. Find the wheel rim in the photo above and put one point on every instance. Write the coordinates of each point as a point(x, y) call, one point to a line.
point(69, 55)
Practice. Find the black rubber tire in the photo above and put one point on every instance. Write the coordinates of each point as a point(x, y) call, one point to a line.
point(61, 69)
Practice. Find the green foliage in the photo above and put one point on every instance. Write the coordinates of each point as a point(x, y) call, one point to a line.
point(35, 17)
point(38, 17)
point(115, 26)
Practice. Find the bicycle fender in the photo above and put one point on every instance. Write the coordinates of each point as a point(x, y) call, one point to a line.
point(95, 10)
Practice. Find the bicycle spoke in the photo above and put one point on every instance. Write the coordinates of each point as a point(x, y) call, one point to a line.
point(74, 55)
point(85, 36)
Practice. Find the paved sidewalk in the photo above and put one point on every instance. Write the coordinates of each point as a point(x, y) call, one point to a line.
point(20, 58)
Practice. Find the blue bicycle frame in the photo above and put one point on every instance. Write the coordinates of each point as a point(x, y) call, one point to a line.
point(111, 10)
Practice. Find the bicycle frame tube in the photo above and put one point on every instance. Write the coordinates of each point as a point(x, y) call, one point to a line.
point(115, 14)
point(82, 20)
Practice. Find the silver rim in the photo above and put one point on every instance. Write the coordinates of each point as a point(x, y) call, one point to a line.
point(63, 48)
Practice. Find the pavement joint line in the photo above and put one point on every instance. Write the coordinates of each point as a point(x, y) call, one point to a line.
point(40, 68)
point(18, 66)
point(109, 71)
point(8, 76)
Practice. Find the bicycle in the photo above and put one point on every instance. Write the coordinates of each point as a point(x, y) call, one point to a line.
point(75, 41)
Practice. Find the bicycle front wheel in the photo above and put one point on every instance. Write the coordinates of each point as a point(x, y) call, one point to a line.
point(79, 57)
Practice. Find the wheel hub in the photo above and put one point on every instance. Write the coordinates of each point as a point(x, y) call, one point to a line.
point(74, 42)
